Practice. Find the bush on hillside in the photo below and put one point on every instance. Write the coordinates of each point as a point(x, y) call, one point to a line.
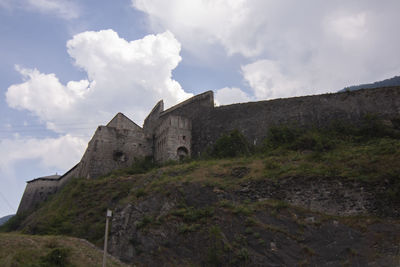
point(296, 138)
point(56, 257)
point(374, 127)
point(313, 140)
point(231, 145)
point(323, 139)
point(142, 165)
point(282, 135)
point(13, 223)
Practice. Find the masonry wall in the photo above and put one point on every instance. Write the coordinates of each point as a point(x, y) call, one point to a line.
point(112, 148)
point(153, 119)
point(173, 134)
point(253, 119)
point(197, 110)
point(36, 192)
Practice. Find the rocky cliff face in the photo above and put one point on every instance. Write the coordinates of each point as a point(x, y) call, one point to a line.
point(329, 195)
point(253, 224)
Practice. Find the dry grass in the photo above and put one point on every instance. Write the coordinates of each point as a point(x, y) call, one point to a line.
point(27, 250)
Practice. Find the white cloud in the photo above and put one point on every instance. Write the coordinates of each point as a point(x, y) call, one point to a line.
point(63, 8)
point(349, 27)
point(314, 46)
point(122, 76)
point(51, 153)
point(60, 153)
point(43, 94)
point(226, 95)
point(199, 21)
point(267, 80)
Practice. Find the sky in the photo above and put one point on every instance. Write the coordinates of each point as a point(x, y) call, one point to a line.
point(67, 66)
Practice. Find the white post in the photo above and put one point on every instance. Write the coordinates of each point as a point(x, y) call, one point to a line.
point(108, 216)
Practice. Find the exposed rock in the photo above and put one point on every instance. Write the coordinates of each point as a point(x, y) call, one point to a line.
point(331, 195)
point(187, 226)
point(240, 172)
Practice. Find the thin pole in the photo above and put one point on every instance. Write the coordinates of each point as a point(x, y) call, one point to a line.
point(105, 243)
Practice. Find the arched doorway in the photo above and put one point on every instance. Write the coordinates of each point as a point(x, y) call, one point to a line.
point(182, 153)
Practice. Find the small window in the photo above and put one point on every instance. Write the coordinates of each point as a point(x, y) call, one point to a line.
point(119, 156)
point(183, 138)
point(182, 153)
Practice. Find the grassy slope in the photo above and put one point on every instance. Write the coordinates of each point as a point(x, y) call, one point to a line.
point(79, 209)
point(27, 250)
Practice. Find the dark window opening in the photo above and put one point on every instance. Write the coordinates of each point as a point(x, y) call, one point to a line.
point(182, 153)
point(119, 156)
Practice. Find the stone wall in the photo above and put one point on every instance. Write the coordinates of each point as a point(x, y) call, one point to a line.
point(153, 119)
point(173, 135)
point(37, 191)
point(120, 121)
point(197, 110)
point(253, 119)
point(112, 148)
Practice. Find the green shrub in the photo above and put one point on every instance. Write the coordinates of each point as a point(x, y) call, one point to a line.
point(282, 135)
point(296, 138)
point(191, 214)
point(374, 127)
point(56, 257)
point(144, 222)
point(140, 192)
point(215, 251)
point(313, 140)
point(142, 165)
point(231, 145)
point(187, 228)
point(13, 223)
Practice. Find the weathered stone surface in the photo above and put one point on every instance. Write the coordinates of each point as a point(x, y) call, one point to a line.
point(172, 139)
point(330, 195)
point(38, 190)
point(146, 232)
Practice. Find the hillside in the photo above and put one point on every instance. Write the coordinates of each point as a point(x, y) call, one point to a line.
point(394, 81)
point(4, 219)
point(27, 250)
point(306, 197)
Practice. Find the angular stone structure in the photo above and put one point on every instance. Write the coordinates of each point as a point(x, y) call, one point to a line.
point(188, 128)
point(172, 139)
point(37, 191)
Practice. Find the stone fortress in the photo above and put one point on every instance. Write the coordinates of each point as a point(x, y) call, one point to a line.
point(188, 128)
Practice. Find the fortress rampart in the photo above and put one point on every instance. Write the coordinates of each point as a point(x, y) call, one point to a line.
point(37, 191)
point(188, 128)
point(253, 119)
